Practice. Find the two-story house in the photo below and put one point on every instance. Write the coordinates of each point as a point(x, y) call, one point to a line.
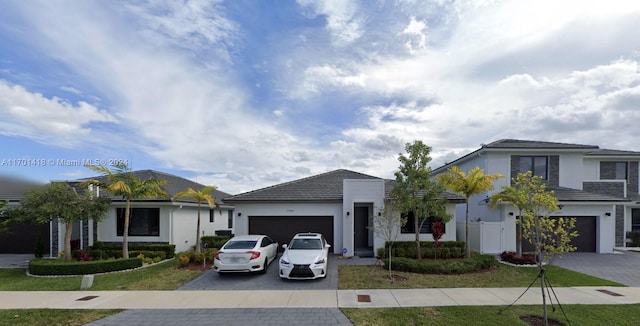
point(599, 187)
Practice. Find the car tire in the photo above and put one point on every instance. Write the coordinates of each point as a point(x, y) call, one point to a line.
point(266, 264)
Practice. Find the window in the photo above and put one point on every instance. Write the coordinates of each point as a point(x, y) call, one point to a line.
point(144, 222)
point(266, 241)
point(425, 228)
point(536, 164)
point(635, 219)
point(211, 216)
point(230, 219)
point(621, 170)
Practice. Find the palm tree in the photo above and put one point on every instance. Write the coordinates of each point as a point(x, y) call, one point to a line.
point(121, 181)
point(467, 185)
point(199, 196)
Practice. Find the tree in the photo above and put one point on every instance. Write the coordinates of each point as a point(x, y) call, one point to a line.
point(5, 219)
point(518, 196)
point(415, 191)
point(550, 236)
point(467, 185)
point(387, 225)
point(121, 181)
point(199, 196)
point(60, 200)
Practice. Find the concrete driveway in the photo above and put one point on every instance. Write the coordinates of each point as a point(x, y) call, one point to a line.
point(622, 267)
point(15, 260)
point(212, 280)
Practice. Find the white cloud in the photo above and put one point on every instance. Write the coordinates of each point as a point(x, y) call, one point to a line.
point(47, 120)
point(474, 72)
point(417, 31)
point(342, 21)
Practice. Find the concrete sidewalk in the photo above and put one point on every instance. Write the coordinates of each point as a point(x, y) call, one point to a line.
point(310, 299)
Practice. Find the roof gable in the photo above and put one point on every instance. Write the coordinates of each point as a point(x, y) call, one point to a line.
point(322, 187)
point(174, 185)
point(12, 189)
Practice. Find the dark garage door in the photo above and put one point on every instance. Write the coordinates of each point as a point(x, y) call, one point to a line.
point(586, 240)
point(283, 228)
point(22, 239)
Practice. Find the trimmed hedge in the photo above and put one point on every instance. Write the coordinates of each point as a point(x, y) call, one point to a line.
point(104, 251)
point(56, 267)
point(453, 266)
point(428, 249)
point(214, 241)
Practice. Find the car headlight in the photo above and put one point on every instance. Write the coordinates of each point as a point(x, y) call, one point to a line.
point(319, 261)
point(283, 261)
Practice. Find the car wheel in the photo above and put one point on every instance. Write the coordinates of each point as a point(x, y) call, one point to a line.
point(266, 264)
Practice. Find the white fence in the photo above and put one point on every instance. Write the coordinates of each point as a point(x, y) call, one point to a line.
point(484, 237)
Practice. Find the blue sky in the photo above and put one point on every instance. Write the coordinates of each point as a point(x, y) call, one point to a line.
point(247, 94)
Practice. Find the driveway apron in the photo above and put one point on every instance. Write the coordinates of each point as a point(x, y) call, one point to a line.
point(212, 280)
point(621, 267)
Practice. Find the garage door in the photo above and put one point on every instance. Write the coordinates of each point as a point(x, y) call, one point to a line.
point(283, 228)
point(22, 239)
point(586, 240)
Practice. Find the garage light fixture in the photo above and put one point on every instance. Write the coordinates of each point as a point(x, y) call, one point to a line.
point(347, 213)
point(239, 214)
point(607, 213)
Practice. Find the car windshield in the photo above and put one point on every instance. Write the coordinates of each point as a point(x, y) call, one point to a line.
point(309, 244)
point(241, 244)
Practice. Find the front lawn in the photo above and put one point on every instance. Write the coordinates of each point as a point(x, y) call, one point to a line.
point(162, 276)
point(488, 315)
point(52, 317)
point(375, 277)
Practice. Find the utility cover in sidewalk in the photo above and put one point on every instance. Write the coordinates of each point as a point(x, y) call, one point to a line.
point(364, 298)
point(87, 298)
point(611, 293)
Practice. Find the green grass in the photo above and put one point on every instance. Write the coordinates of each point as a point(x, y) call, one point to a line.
point(51, 317)
point(162, 276)
point(618, 315)
point(373, 277)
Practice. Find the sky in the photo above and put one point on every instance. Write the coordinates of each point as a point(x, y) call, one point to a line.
point(247, 94)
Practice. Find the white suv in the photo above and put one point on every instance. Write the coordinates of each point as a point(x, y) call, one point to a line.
point(305, 257)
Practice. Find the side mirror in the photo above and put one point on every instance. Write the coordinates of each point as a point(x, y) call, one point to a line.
point(328, 245)
point(284, 246)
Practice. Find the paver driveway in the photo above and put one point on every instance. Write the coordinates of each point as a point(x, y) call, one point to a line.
point(212, 280)
point(621, 267)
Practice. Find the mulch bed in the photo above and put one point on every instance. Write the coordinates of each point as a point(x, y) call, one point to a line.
point(534, 320)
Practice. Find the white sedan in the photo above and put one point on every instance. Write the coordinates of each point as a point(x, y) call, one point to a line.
point(246, 253)
point(305, 257)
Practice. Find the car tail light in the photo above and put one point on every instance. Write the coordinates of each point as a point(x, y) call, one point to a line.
point(217, 256)
point(254, 254)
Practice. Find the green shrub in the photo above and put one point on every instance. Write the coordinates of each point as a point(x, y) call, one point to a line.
point(450, 266)
point(56, 267)
point(101, 250)
point(183, 260)
point(197, 258)
point(210, 253)
point(381, 253)
point(214, 241)
point(428, 249)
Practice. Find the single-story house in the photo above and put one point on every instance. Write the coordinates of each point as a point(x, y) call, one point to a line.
point(20, 238)
point(154, 220)
point(339, 204)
